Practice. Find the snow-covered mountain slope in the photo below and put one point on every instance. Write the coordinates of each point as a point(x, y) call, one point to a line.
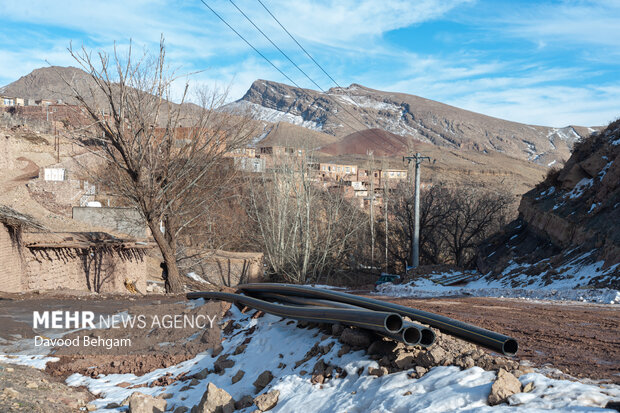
point(342, 111)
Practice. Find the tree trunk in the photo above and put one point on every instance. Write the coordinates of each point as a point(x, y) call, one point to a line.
point(173, 279)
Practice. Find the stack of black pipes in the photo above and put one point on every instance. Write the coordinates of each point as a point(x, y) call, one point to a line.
point(319, 305)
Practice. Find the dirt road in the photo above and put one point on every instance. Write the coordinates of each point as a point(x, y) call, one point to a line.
point(582, 340)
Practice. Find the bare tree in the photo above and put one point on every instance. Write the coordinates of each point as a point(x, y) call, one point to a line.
point(159, 154)
point(453, 222)
point(306, 231)
point(474, 214)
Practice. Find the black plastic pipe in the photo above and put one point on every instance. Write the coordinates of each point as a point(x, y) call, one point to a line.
point(412, 334)
point(380, 321)
point(495, 341)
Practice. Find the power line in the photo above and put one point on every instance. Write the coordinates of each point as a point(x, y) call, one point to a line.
point(250, 44)
point(274, 45)
point(320, 67)
point(272, 64)
point(300, 69)
point(298, 44)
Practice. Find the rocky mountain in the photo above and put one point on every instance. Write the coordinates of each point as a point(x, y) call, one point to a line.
point(342, 111)
point(569, 222)
point(48, 83)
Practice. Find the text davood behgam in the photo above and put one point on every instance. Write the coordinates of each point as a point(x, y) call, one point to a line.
point(86, 320)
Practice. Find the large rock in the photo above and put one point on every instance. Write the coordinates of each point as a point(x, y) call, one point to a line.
point(356, 337)
point(215, 400)
point(382, 347)
point(238, 376)
point(404, 361)
point(505, 386)
point(263, 380)
point(267, 401)
point(144, 403)
point(434, 356)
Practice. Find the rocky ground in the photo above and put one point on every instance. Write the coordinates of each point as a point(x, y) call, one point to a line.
point(26, 389)
point(577, 338)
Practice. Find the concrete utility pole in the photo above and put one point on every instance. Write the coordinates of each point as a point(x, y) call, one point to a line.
point(385, 207)
point(415, 244)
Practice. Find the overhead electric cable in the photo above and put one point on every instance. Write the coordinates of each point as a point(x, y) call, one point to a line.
point(319, 66)
point(272, 64)
point(298, 44)
point(275, 45)
point(250, 44)
point(299, 68)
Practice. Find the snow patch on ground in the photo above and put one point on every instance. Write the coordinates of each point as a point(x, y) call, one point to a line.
point(428, 289)
point(195, 277)
point(38, 362)
point(603, 172)
point(442, 389)
point(570, 285)
point(581, 186)
point(366, 102)
point(567, 133)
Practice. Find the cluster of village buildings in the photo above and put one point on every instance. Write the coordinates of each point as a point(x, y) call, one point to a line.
point(39, 259)
point(362, 183)
point(9, 101)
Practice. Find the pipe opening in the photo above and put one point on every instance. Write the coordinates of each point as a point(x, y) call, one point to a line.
point(510, 347)
point(411, 336)
point(393, 323)
point(428, 337)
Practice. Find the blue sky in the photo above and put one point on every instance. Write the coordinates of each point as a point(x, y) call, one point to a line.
point(549, 63)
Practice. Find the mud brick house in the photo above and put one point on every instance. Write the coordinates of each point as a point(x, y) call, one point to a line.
point(34, 259)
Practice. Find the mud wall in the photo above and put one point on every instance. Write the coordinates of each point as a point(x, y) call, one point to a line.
point(97, 270)
point(10, 260)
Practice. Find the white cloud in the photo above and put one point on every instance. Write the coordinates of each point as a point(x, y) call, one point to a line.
point(564, 23)
point(549, 106)
point(347, 37)
point(337, 22)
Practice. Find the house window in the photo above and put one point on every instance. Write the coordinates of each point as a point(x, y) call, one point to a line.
point(348, 169)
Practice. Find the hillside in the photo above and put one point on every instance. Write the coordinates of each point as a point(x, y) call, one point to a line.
point(569, 223)
point(288, 134)
point(337, 112)
point(378, 141)
point(51, 83)
point(48, 83)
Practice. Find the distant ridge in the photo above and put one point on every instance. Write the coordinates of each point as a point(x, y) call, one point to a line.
point(408, 116)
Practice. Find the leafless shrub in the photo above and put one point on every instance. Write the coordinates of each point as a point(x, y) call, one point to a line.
point(306, 232)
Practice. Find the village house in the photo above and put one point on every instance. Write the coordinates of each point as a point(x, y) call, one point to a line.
point(9, 101)
point(281, 151)
point(248, 152)
point(339, 172)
